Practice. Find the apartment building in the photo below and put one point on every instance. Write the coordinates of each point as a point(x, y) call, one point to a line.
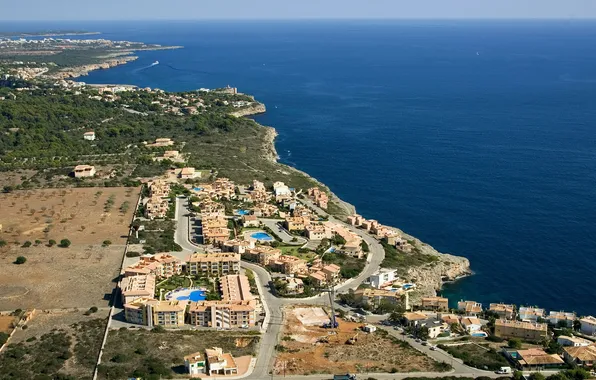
point(288, 265)
point(530, 313)
point(162, 265)
point(435, 304)
point(374, 297)
point(213, 264)
point(504, 311)
point(139, 286)
point(150, 312)
point(563, 317)
point(470, 307)
point(156, 207)
point(383, 277)
point(224, 314)
point(262, 254)
point(159, 188)
point(588, 325)
point(531, 331)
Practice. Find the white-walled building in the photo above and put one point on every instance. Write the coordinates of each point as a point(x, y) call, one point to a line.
point(382, 276)
point(588, 325)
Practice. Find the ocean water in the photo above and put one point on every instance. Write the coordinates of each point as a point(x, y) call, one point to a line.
point(477, 137)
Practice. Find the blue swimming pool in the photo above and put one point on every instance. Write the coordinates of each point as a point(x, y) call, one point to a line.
point(262, 236)
point(479, 334)
point(185, 294)
point(243, 212)
point(408, 286)
point(197, 188)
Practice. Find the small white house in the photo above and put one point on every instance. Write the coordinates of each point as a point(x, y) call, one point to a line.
point(195, 364)
point(90, 135)
point(369, 328)
point(573, 341)
point(471, 324)
point(382, 276)
point(588, 325)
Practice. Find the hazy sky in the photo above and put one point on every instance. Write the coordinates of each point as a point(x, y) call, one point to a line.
point(284, 9)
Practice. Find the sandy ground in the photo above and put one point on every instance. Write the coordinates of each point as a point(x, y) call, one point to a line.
point(78, 276)
point(84, 216)
point(5, 323)
point(305, 352)
point(311, 316)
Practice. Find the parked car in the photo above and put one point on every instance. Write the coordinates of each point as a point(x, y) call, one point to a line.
point(424, 343)
point(433, 348)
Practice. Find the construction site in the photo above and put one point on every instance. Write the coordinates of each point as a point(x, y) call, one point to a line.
point(312, 344)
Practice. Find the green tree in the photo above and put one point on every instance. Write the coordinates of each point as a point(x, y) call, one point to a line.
point(26, 244)
point(3, 243)
point(64, 243)
point(514, 343)
point(537, 376)
point(20, 260)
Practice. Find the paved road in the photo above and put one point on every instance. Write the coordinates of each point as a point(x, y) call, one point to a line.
point(285, 236)
point(273, 307)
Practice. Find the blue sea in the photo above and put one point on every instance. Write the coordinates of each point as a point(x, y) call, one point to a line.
point(479, 138)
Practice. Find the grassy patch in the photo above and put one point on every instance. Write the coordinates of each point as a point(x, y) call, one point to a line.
point(395, 258)
point(477, 356)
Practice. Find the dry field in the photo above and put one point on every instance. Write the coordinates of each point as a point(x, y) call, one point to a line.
point(53, 277)
point(304, 352)
point(84, 215)
point(6, 322)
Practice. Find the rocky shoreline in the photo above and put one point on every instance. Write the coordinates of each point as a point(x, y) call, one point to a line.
point(429, 278)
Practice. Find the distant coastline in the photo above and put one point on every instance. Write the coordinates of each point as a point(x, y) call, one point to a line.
point(48, 34)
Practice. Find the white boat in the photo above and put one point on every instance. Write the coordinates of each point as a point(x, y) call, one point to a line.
point(155, 63)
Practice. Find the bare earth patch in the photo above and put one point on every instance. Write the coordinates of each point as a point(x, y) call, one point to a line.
point(78, 276)
point(312, 349)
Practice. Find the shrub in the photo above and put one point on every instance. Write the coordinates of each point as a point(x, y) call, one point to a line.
point(20, 260)
point(158, 329)
point(106, 243)
point(133, 254)
point(64, 243)
point(3, 243)
point(514, 343)
point(26, 244)
point(51, 243)
point(3, 338)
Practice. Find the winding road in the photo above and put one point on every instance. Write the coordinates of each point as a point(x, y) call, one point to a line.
point(273, 306)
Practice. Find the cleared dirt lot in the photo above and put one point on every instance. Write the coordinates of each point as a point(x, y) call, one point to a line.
point(302, 350)
point(54, 277)
point(84, 216)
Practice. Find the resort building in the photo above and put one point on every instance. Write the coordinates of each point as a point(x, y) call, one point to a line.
point(250, 221)
point(556, 317)
point(531, 331)
point(287, 264)
point(213, 264)
point(296, 223)
point(382, 278)
point(584, 356)
point(139, 286)
point(159, 189)
point(220, 363)
point(235, 287)
point(162, 265)
point(188, 173)
point(83, 171)
point(156, 207)
point(262, 254)
point(374, 297)
point(435, 304)
point(332, 273)
point(195, 364)
point(355, 220)
point(319, 197)
point(223, 314)
point(535, 359)
point(317, 232)
point(471, 324)
point(318, 279)
point(89, 136)
point(573, 341)
point(530, 313)
point(470, 307)
point(238, 246)
point(503, 310)
point(142, 311)
point(588, 325)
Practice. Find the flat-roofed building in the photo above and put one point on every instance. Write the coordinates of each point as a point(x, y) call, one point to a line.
point(435, 303)
point(134, 287)
point(374, 297)
point(470, 307)
point(531, 314)
point(503, 310)
point(561, 317)
point(195, 364)
point(224, 314)
point(188, 173)
point(213, 264)
point(573, 341)
point(531, 331)
point(588, 325)
point(143, 311)
point(220, 363)
point(82, 171)
point(90, 135)
point(383, 277)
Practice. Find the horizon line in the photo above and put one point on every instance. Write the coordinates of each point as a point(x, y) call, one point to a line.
point(570, 19)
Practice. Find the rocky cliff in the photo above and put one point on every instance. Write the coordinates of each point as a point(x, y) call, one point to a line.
point(77, 71)
point(251, 110)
